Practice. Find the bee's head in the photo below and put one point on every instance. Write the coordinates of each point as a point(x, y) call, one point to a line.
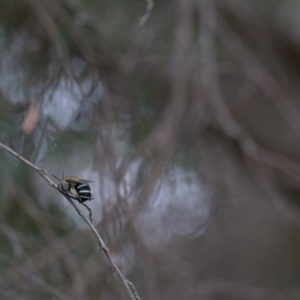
point(63, 185)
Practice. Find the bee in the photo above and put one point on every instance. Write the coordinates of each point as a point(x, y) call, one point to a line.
point(75, 187)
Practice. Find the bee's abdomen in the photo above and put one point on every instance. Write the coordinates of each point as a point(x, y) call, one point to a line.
point(84, 191)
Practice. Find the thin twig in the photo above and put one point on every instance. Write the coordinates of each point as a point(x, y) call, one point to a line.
point(42, 172)
point(131, 290)
point(129, 285)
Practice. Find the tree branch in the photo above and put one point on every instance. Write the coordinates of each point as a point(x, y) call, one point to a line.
point(42, 172)
point(131, 290)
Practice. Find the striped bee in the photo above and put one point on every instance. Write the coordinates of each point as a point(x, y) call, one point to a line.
point(76, 188)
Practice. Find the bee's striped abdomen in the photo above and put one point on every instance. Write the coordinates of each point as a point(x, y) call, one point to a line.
point(84, 191)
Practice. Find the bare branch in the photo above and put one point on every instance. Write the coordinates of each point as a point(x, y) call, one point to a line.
point(128, 285)
point(42, 172)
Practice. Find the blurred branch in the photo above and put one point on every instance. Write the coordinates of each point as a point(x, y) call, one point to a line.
point(236, 290)
point(220, 109)
point(268, 83)
point(147, 12)
point(128, 285)
point(38, 280)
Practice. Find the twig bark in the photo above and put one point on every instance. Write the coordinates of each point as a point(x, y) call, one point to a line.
point(131, 290)
point(42, 172)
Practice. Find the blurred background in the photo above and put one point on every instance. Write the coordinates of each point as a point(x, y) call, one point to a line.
point(189, 125)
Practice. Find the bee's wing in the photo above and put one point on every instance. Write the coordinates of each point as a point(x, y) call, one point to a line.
point(73, 179)
point(84, 181)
